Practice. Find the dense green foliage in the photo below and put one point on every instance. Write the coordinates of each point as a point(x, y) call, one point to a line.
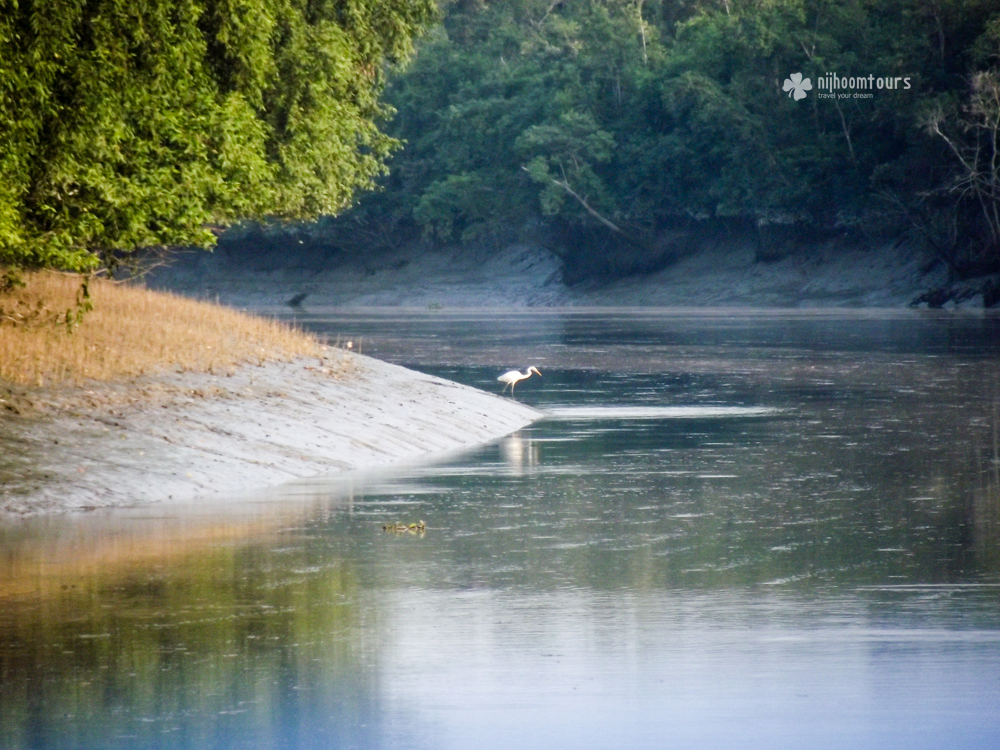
point(126, 125)
point(623, 118)
point(134, 124)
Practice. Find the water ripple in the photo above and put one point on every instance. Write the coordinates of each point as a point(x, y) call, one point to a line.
point(573, 413)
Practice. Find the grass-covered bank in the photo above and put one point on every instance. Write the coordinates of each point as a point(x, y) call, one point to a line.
point(49, 338)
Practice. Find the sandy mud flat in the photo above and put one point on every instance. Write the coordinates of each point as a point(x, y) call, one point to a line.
point(184, 435)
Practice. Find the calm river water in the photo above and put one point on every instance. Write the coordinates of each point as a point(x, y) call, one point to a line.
point(731, 530)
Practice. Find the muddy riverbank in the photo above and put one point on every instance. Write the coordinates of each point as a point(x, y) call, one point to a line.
point(185, 435)
point(721, 271)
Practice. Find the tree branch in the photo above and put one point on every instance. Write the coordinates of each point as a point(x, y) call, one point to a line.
point(564, 184)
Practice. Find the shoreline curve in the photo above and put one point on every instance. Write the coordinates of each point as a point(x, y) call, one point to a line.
point(180, 436)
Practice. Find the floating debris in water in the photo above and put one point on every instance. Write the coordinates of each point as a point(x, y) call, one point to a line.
point(401, 528)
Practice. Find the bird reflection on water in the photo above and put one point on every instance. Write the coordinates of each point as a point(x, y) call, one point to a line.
point(520, 454)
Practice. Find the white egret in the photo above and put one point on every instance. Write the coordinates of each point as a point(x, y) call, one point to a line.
point(514, 376)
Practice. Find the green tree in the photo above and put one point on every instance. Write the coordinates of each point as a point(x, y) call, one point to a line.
point(568, 151)
point(126, 125)
point(639, 117)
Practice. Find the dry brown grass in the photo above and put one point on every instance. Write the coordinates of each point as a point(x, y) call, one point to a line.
point(131, 331)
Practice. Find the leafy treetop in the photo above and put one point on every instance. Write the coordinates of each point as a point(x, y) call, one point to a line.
point(126, 125)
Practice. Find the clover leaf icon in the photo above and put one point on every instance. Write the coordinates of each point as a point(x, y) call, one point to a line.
point(797, 86)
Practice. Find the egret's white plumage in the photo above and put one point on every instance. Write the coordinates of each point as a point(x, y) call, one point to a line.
point(514, 376)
